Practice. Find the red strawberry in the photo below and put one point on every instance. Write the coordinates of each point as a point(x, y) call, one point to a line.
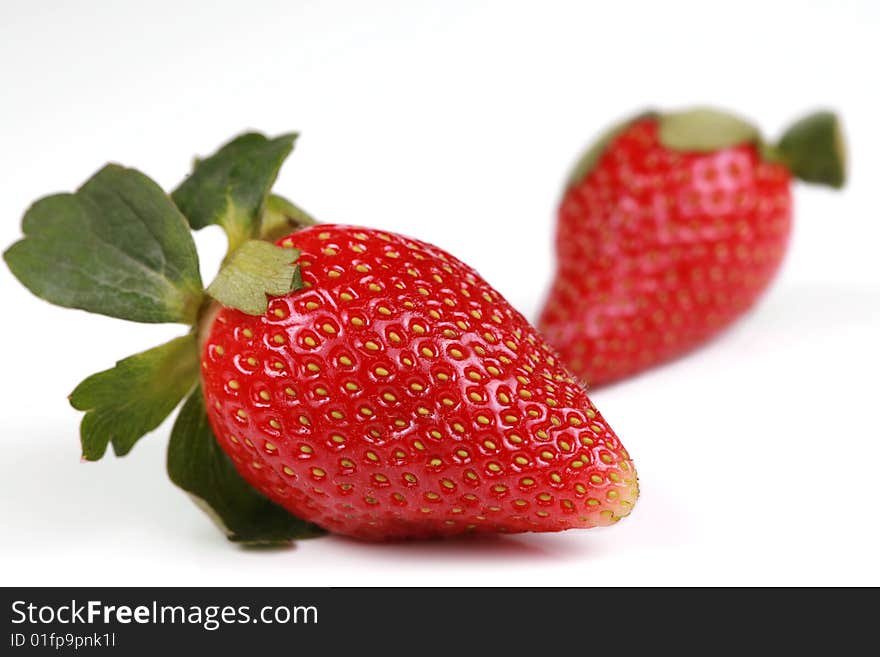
point(671, 227)
point(360, 382)
point(399, 395)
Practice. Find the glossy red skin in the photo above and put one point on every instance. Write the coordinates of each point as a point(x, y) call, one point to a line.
point(660, 250)
point(406, 454)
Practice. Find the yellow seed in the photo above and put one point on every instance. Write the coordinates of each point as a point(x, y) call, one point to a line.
point(288, 471)
point(458, 427)
point(247, 333)
point(290, 392)
point(264, 395)
point(494, 467)
point(374, 288)
point(252, 361)
point(345, 360)
point(321, 392)
point(275, 424)
point(372, 346)
point(311, 305)
point(336, 438)
point(521, 460)
point(514, 438)
point(381, 371)
point(219, 350)
point(372, 456)
point(241, 413)
point(357, 321)
point(351, 386)
point(389, 397)
point(455, 353)
point(366, 411)
point(233, 384)
point(318, 472)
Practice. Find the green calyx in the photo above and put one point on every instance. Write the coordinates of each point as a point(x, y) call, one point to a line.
point(812, 149)
point(704, 130)
point(254, 270)
point(120, 246)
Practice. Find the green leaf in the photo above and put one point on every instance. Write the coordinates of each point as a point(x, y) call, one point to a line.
point(281, 217)
point(126, 402)
point(705, 130)
point(814, 149)
point(588, 160)
point(230, 187)
point(117, 246)
point(199, 466)
point(256, 269)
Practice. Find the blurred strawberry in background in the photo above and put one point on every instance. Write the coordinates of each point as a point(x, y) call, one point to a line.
point(671, 226)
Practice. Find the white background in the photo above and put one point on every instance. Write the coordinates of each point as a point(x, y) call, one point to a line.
point(456, 122)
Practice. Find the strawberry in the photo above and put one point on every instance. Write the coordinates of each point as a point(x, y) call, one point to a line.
point(340, 378)
point(670, 228)
point(399, 395)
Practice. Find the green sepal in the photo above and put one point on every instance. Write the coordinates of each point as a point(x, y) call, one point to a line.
point(590, 159)
point(117, 246)
point(256, 269)
point(198, 465)
point(230, 187)
point(281, 217)
point(704, 130)
point(814, 150)
point(126, 402)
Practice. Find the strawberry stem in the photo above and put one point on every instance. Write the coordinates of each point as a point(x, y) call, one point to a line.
point(814, 150)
